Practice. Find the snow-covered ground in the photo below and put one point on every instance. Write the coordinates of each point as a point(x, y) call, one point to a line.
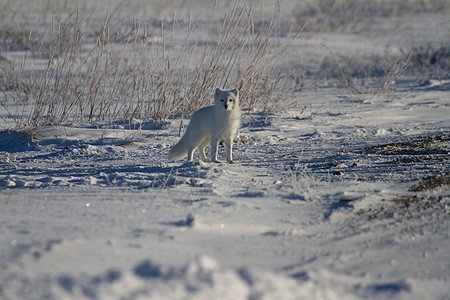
point(342, 195)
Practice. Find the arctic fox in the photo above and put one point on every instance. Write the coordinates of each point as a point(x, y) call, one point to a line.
point(210, 125)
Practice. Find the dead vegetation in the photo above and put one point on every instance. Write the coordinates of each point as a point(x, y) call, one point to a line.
point(358, 15)
point(106, 73)
point(377, 74)
point(427, 62)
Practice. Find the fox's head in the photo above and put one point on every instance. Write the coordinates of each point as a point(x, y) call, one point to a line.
point(228, 99)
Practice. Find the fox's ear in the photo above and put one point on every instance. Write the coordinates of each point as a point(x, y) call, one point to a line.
point(218, 91)
point(236, 92)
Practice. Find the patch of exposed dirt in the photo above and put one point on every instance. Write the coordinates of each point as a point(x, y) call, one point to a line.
point(410, 206)
point(426, 146)
point(431, 182)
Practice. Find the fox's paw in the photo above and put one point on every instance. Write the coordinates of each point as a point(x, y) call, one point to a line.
point(217, 161)
point(231, 162)
point(206, 160)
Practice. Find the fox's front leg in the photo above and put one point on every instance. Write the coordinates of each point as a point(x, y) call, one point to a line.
point(229, 150)
point(214, 150)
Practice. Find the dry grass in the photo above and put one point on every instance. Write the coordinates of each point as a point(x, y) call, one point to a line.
point(359, 15)
point(377, 74)
point(429, 61)
point(134, 72)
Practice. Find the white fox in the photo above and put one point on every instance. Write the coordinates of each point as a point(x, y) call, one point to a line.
point(210, 125)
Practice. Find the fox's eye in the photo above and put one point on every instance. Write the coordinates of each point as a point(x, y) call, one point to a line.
point(231, 100)
point(221, 100)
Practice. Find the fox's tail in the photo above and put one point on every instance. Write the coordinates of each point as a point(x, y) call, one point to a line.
point(179, 150)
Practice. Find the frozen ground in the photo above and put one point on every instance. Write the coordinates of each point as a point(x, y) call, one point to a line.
point(342, 196)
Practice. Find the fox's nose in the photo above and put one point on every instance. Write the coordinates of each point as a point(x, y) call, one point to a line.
point(226, 106)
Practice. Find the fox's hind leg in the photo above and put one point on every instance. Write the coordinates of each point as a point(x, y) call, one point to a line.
point(197, 142)
point(201, 150)
point(190, 155)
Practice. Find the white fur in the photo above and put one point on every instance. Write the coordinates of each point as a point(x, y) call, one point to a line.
point(210, 125)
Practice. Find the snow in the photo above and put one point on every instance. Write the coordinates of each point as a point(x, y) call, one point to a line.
point(319, 204)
